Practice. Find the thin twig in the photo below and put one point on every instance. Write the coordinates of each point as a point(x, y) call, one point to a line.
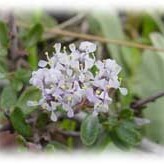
point(140, 103)
point(58, 31)
point(13, 37)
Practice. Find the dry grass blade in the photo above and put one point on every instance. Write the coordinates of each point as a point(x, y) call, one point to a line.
point(57, 31)
point(102, 39)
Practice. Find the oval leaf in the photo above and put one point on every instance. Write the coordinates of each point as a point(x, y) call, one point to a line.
point(128, 133)
point(89, 130)
point(149, 81)
point(34, 35)
point(8, 98)
point(18, 121)
point(30, 93)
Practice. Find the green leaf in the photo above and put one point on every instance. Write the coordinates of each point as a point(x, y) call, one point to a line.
point(19, 78)
point(2, 75)
point(58, 145)
point(18, 122)
point(117, 142)
point(158, 41)
point(34, 35)
point(110, 27)
point(89, 130)
point(3, 59)
point(2, 118)
point(126, 100)
point(3, 34)
point(21, 140)
point(156, 17)
point(102, 141)
point(94, 70)
point(33, 56)
point(8, 98)
point(128, 133)
point(150, 76)
point(68, 124)
point(148, 25)
point(45, 19)
point(3, 51)
point(50, 148)
point(16, 84)
point(126, 114)
point(30, 93)
point(94, 26)
point(23, 75)
point(149, 81)
point(42, 120)
point(111, 122)
point(35, 17)
point(131, 58)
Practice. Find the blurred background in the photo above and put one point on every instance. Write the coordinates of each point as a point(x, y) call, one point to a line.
point(25, 36)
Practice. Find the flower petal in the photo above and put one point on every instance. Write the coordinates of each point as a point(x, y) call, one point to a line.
point(57, 47)
point(42, 63)
point(90, 96)
point(53, 116)
point(95, 113)
point(70, 113)
point(123, 91)
point(87, 47)
point(72, 47)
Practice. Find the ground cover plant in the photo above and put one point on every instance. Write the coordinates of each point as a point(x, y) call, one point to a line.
point(81, 81)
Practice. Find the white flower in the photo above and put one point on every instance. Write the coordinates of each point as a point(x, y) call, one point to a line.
point(66, 79)
point(100, 107)
point(53, 116)
point(57, 47)
point(72, 47)
point(87, 47)
point(112, 67)
point(102, 83)
point(42, 63)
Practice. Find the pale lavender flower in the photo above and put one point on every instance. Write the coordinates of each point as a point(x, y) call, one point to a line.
point(42, 63)
point(66, 79)
point(87, 47)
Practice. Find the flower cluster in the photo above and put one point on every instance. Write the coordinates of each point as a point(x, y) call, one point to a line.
point(73, 77)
